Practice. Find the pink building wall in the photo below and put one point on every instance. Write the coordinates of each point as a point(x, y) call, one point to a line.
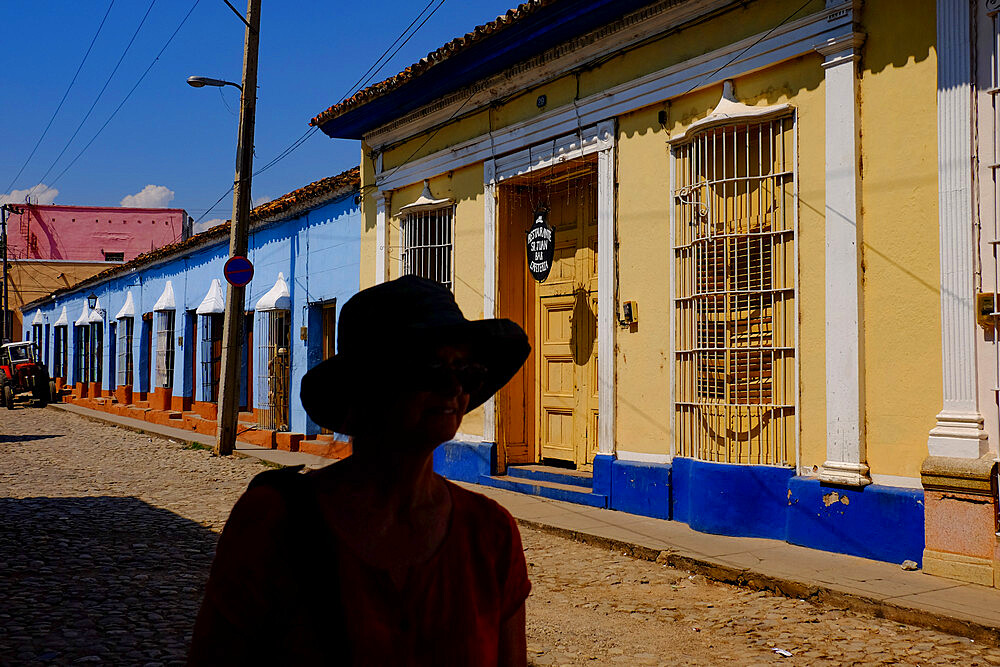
point(87, 233)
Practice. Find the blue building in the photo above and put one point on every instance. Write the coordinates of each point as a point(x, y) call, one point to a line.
point(153, 335)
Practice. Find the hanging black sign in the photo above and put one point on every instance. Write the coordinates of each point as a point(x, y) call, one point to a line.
point(541, 246)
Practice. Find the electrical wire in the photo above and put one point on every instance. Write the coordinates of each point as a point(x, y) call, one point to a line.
point(129, 94)
point(99, 95)
point(65, 94)
point(363, 80)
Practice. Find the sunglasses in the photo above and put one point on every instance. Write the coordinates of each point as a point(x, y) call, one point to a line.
point(441, 378)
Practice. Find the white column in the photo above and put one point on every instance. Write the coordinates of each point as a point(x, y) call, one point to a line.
point(606, 274)
point(959, 429)
point(489, 279)
point(381, 234)
point(845, 390)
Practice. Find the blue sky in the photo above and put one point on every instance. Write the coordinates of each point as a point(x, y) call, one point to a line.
point(179, 139)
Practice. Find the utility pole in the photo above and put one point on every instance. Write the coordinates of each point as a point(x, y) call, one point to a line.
point(232, 332)
point(5, 322)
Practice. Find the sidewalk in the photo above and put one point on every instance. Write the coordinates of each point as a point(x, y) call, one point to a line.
point(881, 589)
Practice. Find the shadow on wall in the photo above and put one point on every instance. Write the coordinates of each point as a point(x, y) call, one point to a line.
point(112, 577)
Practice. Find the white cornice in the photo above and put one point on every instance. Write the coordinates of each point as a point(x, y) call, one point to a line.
point(791, 40)
point(628, 30)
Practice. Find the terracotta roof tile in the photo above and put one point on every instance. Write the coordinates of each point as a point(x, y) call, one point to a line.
point(330, 184)
point(452, 48)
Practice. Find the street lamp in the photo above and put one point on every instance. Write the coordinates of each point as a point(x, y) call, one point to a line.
point(202, 81)
point(232, 326)
point(91, 301)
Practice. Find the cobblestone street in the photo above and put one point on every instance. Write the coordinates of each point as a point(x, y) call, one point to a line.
point(106, 537)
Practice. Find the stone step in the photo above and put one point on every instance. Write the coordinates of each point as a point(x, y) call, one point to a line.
point(552, 474)
point(554, 490)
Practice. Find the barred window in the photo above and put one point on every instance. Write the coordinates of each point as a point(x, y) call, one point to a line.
point(427, 244)
point(273, 367)
point(211, 355)
point(126, 335)
point(96, 351)
point(61, 346)
point(165, 349)
point(734, 304)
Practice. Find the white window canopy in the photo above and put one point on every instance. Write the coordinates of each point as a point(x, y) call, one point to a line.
point(166, 300)
point(425, 202)
point(95, 314)
point(63, 320)
point(214, 301)
point(128, 310)
point(84, 318)
point(37, 319)
point(729, 110)
point(277, 298)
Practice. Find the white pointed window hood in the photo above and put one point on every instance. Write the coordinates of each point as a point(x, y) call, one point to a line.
point(37, 319)
point(277, 298)
point(728, 111)
point(166, 300)
point(84, 318)
point(63, 320)
point(95, 314)
point(425, 202)
point(214, 301)
point(128, 310)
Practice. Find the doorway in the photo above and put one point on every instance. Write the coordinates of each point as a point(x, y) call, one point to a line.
point(549, 412)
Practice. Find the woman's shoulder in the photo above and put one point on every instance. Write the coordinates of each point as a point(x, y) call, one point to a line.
point(475, 506)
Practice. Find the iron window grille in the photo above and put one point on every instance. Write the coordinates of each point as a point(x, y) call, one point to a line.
point(211, 355)
point(273, 367)
point(126, 337)
point(96, 351)
point(165, 349)
point(81, 353)
point(428, 246)
point(734, 294)
point(61, 351)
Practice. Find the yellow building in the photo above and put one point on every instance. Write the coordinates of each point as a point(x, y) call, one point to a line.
point(741, 323)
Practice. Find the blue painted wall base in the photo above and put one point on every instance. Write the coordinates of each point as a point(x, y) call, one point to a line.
point(464, 461)
point(879, 522)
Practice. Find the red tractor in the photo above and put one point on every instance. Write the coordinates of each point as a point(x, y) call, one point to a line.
point(22, 372)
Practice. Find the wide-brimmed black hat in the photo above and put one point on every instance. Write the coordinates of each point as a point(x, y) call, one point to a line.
point(403, 318)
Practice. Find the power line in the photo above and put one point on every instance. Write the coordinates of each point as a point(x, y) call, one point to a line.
point(99, 95)
point(122, 103)
point(355, 86)
point(415, 30)
point(68, 88)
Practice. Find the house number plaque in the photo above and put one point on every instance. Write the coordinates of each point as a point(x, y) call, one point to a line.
point(541, 246)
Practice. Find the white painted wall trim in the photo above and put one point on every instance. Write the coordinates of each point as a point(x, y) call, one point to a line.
point(468, 437)
point(846, 460)
point(489, 279)
point(897, 481)
point(607, 309)
point(382, 203)
point(794, 39)
point(643, 457)
point(959, 430)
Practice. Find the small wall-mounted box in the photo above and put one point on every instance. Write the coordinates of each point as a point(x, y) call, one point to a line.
point(985, 313)
point(630, 312)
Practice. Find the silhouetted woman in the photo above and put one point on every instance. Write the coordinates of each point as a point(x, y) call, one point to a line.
point(376, 559)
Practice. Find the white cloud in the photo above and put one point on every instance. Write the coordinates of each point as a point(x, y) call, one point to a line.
point(208, 224)
point(263, 199)
point(151, 196)
point(40, 194)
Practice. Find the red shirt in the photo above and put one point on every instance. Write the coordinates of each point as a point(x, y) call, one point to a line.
point(274, 596)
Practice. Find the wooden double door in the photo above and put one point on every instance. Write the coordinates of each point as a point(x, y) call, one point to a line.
point(550, 411)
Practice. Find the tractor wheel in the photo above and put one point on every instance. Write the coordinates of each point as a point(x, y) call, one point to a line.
point(8, 396)
point(53, 395)
point(3, 396)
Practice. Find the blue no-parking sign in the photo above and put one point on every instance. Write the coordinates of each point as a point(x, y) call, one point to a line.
point(238, 271)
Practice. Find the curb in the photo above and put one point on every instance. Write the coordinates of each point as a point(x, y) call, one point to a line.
point(811, 592)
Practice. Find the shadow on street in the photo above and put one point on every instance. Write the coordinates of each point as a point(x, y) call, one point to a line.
point(98, 579)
